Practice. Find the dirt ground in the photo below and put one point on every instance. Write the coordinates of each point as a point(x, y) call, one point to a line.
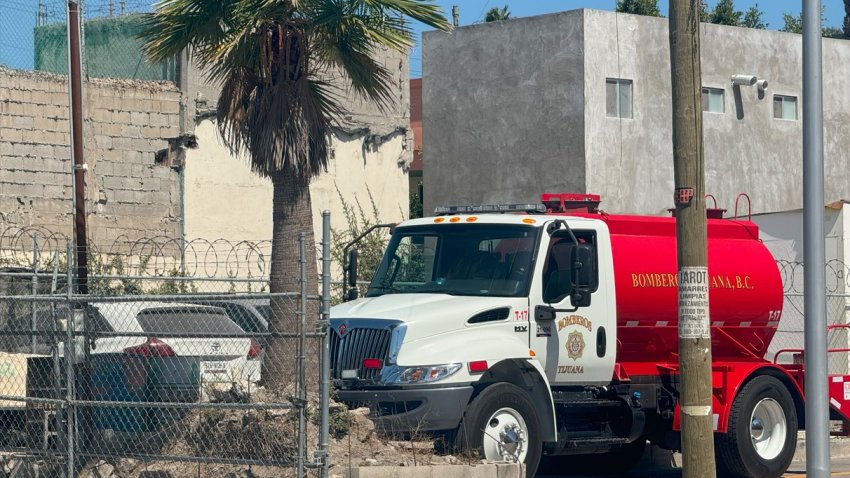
point(265, 435)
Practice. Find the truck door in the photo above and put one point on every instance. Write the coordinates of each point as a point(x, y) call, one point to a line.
point(579, 344)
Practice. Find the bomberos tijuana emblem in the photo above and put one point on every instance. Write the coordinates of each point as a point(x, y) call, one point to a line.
point(575, 345)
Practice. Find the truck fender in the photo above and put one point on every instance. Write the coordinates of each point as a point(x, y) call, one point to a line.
point(528, 375)
point(727, 381)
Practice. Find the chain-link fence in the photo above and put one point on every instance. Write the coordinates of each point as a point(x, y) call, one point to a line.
point(790, 334)
point(33, 36)
point(174, 376)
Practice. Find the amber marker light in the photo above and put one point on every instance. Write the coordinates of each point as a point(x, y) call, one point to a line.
point(471, 219)
point(529, 220)
point(439, 220)
point(454, 219)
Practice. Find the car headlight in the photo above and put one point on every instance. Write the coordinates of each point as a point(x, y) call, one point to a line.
point(426, 373)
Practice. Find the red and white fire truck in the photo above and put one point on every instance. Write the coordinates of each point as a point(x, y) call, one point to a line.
point(527, 331)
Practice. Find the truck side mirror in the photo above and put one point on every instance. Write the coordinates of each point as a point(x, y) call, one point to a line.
point(352, 267)
point(580, 298)
point(584, 275)
point(584, 267)
point(351, 294)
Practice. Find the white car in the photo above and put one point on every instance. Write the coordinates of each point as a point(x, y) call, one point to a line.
point(154, 352)
point(196, 344)
point(203, 334)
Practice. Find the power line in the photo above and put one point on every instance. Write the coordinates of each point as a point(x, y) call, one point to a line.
point(481, 15)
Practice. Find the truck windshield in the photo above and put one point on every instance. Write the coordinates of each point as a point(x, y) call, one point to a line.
point(462, 259)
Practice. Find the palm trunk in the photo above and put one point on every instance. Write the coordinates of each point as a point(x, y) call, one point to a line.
point(291, 215)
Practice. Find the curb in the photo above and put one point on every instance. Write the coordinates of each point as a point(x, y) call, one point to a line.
point(656, 458)
point(839, 447)
point(492, 470)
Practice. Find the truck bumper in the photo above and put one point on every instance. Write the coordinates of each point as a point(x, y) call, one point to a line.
point(404, 410)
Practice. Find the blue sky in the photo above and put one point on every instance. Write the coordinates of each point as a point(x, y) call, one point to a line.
point(17, 18)
point(472, 11)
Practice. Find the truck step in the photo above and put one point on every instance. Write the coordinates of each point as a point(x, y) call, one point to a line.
point(586, 442)
point(596, 402)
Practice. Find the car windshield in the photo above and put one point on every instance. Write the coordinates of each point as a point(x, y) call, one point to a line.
point(457, 259)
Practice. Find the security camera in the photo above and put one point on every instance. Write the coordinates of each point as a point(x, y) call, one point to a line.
point(761, 85)
point(744, 80)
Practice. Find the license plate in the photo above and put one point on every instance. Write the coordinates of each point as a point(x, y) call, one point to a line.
point(213, 367)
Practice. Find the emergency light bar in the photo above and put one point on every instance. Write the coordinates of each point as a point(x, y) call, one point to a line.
point(485, 208)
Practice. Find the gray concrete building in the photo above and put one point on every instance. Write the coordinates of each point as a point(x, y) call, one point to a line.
point(580, 101)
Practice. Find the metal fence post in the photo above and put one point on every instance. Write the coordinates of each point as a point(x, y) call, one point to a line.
point(302, 387)
point(34, 280)
point(324, 386)
point(54, 341)
point(68, 354)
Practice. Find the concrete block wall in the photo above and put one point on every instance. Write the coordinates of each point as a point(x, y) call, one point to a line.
point(126, 123)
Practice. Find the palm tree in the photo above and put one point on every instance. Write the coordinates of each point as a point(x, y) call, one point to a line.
point(273, 60)
point(497, 14)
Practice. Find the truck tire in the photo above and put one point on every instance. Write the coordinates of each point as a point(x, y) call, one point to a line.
point(502, 424)
point(762, 432)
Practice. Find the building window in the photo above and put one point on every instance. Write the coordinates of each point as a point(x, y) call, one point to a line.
point(618, 95)
point(785, 107)
point(712, 100)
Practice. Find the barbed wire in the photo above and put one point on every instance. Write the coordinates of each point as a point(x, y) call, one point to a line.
point(35, 247)
point(54, 11)
point(792, 272)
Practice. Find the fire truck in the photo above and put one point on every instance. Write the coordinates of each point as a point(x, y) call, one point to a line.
point(521, 332)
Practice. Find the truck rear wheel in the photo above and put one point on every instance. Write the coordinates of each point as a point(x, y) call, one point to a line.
point(502, 424)
point(762, 433)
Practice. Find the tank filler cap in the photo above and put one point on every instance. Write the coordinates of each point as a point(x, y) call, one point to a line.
point(571, 202)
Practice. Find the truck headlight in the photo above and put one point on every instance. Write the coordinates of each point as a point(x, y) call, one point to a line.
point(426, 373)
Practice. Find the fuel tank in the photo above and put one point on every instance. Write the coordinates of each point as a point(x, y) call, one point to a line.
point(745, 288)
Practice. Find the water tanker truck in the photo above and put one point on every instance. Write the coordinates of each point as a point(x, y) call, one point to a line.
point(524, 332)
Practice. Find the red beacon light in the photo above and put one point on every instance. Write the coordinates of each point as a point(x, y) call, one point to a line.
point(571, 202)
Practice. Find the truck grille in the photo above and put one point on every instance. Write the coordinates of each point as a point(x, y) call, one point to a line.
point(348, 352)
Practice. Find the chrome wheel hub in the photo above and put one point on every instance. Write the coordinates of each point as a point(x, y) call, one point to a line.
point(506, 436)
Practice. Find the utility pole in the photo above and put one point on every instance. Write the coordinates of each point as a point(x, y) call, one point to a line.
point(689, 198)
point(817, 395)
point(75, 81)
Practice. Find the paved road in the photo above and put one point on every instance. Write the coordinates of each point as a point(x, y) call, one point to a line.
point(658, 464)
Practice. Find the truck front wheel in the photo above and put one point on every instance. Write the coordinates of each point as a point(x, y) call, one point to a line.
point(502, 424)
point(762, 433)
